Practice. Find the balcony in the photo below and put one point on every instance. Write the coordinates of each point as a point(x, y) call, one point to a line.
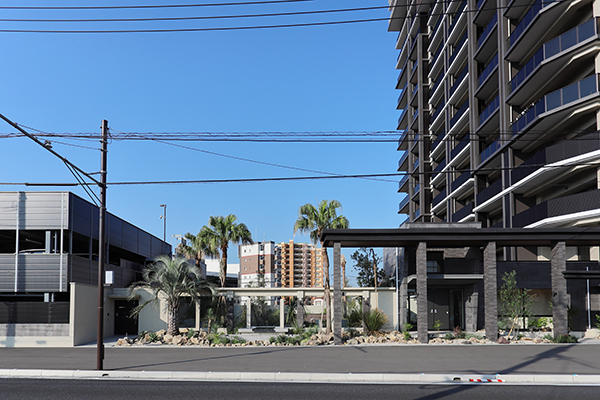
point(402, 162)
point(562, 206)
point(534, 26)
point(402, 98)
point(465, 211)
point(487, 41)
point(488, 30)
point(457, 17)
point(438, 168)
point(458, 47)
point(403, 119)
point(403, 182)
point(459, 79)
point(437, 82)
point(488, 79)
point(490, 150)
point(556, 153)
point(526, 21)
point(437, 112)
point(485, 9)
point(489, 110)
point(462, 178)
point(403, 206)
point(402, 143)
point(437, 141)
point(461, 111)
point(415, 165)
point(489, 192)
point(416, 190)
point(551, 58)
point(554, 100)
point(458, 148)
point(437, 199)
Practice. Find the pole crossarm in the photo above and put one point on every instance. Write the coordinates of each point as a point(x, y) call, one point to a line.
point(63, 159)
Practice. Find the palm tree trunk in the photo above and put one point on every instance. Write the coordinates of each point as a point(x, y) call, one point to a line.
point(173, 321)
point(223, 266)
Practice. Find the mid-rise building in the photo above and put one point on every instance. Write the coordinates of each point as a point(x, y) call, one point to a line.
point(259, 265)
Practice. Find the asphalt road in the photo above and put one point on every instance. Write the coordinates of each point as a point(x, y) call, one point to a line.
point(46, 389)
point(489, 359)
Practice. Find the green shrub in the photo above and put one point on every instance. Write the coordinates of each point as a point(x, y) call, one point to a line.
point(598, 321)
point(374, 320)
point(472, 335)
point(355, 318)
point(152, 337)
point(407, 336)
point(448, 336)
point(190, 333)
point(407, 327)
point(549, 337)
point(565, 339)
point(437, 325)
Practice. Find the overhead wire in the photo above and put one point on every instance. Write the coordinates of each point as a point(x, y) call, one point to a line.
point(230, 28)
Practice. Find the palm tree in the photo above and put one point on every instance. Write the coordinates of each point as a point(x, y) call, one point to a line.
point(171, 279)
point(314, 220)
point(197, 248)
point(217, 235)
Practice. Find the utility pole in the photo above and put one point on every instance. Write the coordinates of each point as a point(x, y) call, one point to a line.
point(102, 248)
point(164, 218)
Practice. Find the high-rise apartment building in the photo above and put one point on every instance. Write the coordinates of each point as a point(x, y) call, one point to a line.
point(301, 265)
point(499, 125)
point(499, 104)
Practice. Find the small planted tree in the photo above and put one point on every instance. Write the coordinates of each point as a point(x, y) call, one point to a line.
point(515, 304)
point(170, 279)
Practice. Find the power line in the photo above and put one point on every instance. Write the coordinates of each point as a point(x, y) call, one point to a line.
point(193, 18)
point(149, 6)
point(232, 28)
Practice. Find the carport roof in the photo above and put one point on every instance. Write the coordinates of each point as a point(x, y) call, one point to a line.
point(460, 237)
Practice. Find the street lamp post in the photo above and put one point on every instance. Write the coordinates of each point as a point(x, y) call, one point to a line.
point(164, 218)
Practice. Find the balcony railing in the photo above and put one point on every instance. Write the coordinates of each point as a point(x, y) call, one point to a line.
point(559, 44)
point(402, 181)
point(437, 82)
point(557, 99)
point(438, 168)
point(403, 203)
point(437, 25)
point(461, 145)
point(403, 113)
point(488, 69)
point(459, 79)
point(402, 159)
point(415, 40)
point(458, 46)
point(480, 3)
point(417, 213)
point(416, 164)
point(459, 113)
point(416, 189)
point(460, 180)
point(527, 19)
point(463, 212)
point(489, 110)
point(489, 192)
point(491, 149)
point(437, 199)
point(437, 112)
point(488, 29)
point(402, 137)
point(438, 139)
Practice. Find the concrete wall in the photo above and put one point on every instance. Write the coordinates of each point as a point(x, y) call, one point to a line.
point(84, 313)
point(387, 302)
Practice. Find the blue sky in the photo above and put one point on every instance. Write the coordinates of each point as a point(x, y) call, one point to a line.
point(305, 79)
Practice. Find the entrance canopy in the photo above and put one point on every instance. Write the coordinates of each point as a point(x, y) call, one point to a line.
point(460, 237)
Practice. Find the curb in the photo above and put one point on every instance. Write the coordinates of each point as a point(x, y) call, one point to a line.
point(302, 377)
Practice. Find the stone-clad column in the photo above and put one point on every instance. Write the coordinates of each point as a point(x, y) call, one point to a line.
point(422, 315)
point(558, 264)
point(490, 289)
point(337, 294)
point(300, 308)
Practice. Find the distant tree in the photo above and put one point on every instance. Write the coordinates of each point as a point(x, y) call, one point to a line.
point(172, 279)
point(363, 259)
point(216, 236)
point(197, 249)
point(313, 220)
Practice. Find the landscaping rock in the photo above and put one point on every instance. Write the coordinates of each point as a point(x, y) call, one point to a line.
point(502, 340)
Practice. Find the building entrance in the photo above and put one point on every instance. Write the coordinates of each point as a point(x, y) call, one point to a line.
point(124, 323)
